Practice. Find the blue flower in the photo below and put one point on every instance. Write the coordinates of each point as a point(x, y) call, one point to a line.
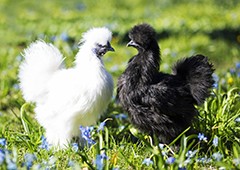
point(161, 146)
point(236, 161)
point(182, 168)
point(121, 116)
point(101, 126)
point(2, 156)
point(191, 154)
point(215, 141)
point(29, 158)
point(64, 36)
point(237, 120)
point(217, 156)
point(216, 80)
point(75, 147)
point(44, 144)
point(3, 141)
point(147, 161)
point(238, 65)
point(99, 161)
point(114, 68)
point(170, 160)
point(86, 134)
point(232, 71)
point(201, 137)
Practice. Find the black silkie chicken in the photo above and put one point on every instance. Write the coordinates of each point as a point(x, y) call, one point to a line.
point(158, 103)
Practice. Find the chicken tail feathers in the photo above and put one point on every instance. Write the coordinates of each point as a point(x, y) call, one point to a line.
point(41, 60)
point(197, 71)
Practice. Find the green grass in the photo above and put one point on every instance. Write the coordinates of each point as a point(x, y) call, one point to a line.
point(183, 28)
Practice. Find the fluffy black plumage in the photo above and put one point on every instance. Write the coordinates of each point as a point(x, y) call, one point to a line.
point(160, 103)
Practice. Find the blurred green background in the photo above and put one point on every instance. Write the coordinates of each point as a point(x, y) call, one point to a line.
point(210, 27)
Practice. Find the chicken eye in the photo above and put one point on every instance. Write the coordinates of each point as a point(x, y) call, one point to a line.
point(101, 46)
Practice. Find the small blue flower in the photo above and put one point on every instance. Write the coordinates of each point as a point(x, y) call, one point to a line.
point(191, 154)
point(201, 137)
point(64, 36)
point(29, 158)
point(217, 156)
point(238, 65)
point(232, 71)
point(2, 156)
point(101, 126)
point(215, 141)
point(216, 80)
point(3, 141)
point(182, 168)
point(44, 144)
point(236, 161)
point(53, 38)
point(99, 161)
point(170, 160)
point(121, 116)
point(114, 68)
point(237, 120)
point(75, 147)
point(71, 163)
point(86, 134)
point(147, 161)
point(161, 146)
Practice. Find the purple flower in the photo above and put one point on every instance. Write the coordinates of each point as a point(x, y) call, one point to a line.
point(201, 137)
point(147, 161)
point(215, 141)
point(170, 160)
point(86, 134)
point(3, 141)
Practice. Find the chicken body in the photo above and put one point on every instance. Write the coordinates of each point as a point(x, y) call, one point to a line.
point(67, 98)
point(162, 104)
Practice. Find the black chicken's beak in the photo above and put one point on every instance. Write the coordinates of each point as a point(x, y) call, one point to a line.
point(132, 43)
point(110, 48)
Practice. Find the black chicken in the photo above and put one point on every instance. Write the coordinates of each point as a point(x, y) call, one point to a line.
point(158, 103)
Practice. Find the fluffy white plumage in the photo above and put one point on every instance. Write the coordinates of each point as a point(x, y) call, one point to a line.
point(67, 98)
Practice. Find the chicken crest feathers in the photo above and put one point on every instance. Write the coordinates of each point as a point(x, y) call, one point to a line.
point(142, 34)
point(97, 35)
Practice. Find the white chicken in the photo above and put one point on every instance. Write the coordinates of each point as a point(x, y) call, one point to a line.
point(67, 98)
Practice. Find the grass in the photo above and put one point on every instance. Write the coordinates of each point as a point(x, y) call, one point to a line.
point(183, 28)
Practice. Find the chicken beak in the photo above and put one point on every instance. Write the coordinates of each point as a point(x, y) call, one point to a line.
point(110, 48)
point(132, 43)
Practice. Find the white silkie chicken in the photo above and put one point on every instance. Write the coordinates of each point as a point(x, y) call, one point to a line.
point(67, 98)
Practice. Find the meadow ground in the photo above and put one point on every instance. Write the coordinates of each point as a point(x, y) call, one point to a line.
point(183, 28)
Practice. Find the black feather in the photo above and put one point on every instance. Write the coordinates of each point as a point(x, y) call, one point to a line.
point(159, 103)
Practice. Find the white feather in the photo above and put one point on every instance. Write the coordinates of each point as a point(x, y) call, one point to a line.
point(66, 98)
